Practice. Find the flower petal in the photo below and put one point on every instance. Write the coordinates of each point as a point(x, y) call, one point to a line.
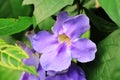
point(33, 60)
point(56, 60)
point(83, 50)
point(76, 26)
point(24, 76)
point(28, 76)
point(58, 24)
point(74, 73)
point(41, 73)
point(44, 42)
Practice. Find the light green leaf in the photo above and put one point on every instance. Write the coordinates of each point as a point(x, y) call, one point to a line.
point(45, 8)
point(89, 3)
point(112, 8)
point(8, 74)
point(86, 34)
point(11, 26)
point(11, 57)
point(46, 24)
point(107, 63)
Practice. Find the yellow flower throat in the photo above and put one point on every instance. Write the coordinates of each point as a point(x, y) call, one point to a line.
point(63, 38)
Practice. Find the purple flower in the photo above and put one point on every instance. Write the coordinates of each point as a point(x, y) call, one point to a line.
point(73, 73)
point(58, 48)
point(28, 76)
point(33, 60)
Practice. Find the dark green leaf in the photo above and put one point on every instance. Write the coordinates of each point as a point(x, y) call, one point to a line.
point(11, 26)
point(106, 65)
point(8, 39)
point(45, 8)
point(100, 23)
point(13, 8)
point(112, 8)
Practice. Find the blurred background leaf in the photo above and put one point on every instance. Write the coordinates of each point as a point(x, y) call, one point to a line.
point(8, 39)
point(45, 8)
point(106, 65)
point(13, 8)
point(112, 8)
point(89, 3)
point(46, 24)
point(101, 24)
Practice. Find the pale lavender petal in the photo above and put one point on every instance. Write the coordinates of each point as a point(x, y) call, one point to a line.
point(51, 73)
point(83, 50)
point(33, 60)
point(44, 42)
point(58, 24)
point(74, 73)
point(56, 60)
point(74, 27)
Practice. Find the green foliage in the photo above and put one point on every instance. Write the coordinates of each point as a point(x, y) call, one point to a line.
point(101, 24)
point(86, 34)
point(11, 57)
point(106, 65)
point(112, 8)
point(46, 24)
point(13, 8)
point(46, 8)
point(89, 3)
point(11, 26)
point(7, 74)
point(8, 39)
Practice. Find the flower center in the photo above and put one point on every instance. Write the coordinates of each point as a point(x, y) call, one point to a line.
point(63, 38)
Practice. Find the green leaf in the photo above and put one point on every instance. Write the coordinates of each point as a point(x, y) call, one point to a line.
point(11, 57)
point(106, 65)
point(101, 24)
point(11, 26)
point(86, 34)
point(112, 8)
point(8, 39)
point(45, 8)
point(13, 8)
point(89, 3)
point(7, 74)
point(46, 24)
